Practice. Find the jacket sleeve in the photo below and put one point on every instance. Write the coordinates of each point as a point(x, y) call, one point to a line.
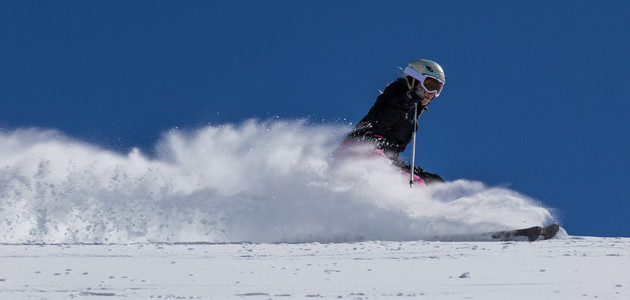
point(392, 106)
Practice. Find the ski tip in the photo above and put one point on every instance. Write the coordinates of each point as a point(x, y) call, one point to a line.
point(550, 231)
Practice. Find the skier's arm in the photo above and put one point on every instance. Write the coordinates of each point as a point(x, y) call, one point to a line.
point(390, 108)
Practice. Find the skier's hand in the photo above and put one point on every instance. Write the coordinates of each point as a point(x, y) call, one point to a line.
point(416, 94)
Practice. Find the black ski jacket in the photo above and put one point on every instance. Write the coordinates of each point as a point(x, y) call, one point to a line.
point(389, 124)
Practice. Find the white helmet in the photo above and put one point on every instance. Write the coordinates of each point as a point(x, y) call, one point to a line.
point(422, 69)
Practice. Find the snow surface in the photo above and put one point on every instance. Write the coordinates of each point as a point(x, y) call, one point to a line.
point(266, 210)
point(573, 268)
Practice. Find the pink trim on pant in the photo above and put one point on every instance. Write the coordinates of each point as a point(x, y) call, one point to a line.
point(362, 149)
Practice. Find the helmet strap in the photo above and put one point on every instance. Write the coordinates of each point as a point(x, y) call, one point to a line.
point(411, 84)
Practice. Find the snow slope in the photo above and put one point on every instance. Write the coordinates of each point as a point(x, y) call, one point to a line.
point(265, 210)
point(572, 268)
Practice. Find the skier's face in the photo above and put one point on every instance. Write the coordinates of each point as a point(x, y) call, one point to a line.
point(431, 88)
point(428, 96)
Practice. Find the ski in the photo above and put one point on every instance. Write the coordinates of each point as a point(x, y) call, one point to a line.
point(525, 234)
point(531, 234)
point(550, 231)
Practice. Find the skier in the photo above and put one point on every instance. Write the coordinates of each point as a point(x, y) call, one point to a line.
point(389, 124)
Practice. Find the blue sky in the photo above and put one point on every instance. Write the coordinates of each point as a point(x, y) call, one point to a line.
point(536, 97)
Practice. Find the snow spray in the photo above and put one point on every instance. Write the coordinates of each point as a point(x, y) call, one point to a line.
point(269, 182)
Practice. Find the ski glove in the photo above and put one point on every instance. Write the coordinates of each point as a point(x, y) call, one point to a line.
point(416, 94)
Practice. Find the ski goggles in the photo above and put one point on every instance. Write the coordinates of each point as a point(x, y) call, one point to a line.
point(429, 84)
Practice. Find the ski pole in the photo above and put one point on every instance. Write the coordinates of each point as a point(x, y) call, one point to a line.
point(413, 146)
